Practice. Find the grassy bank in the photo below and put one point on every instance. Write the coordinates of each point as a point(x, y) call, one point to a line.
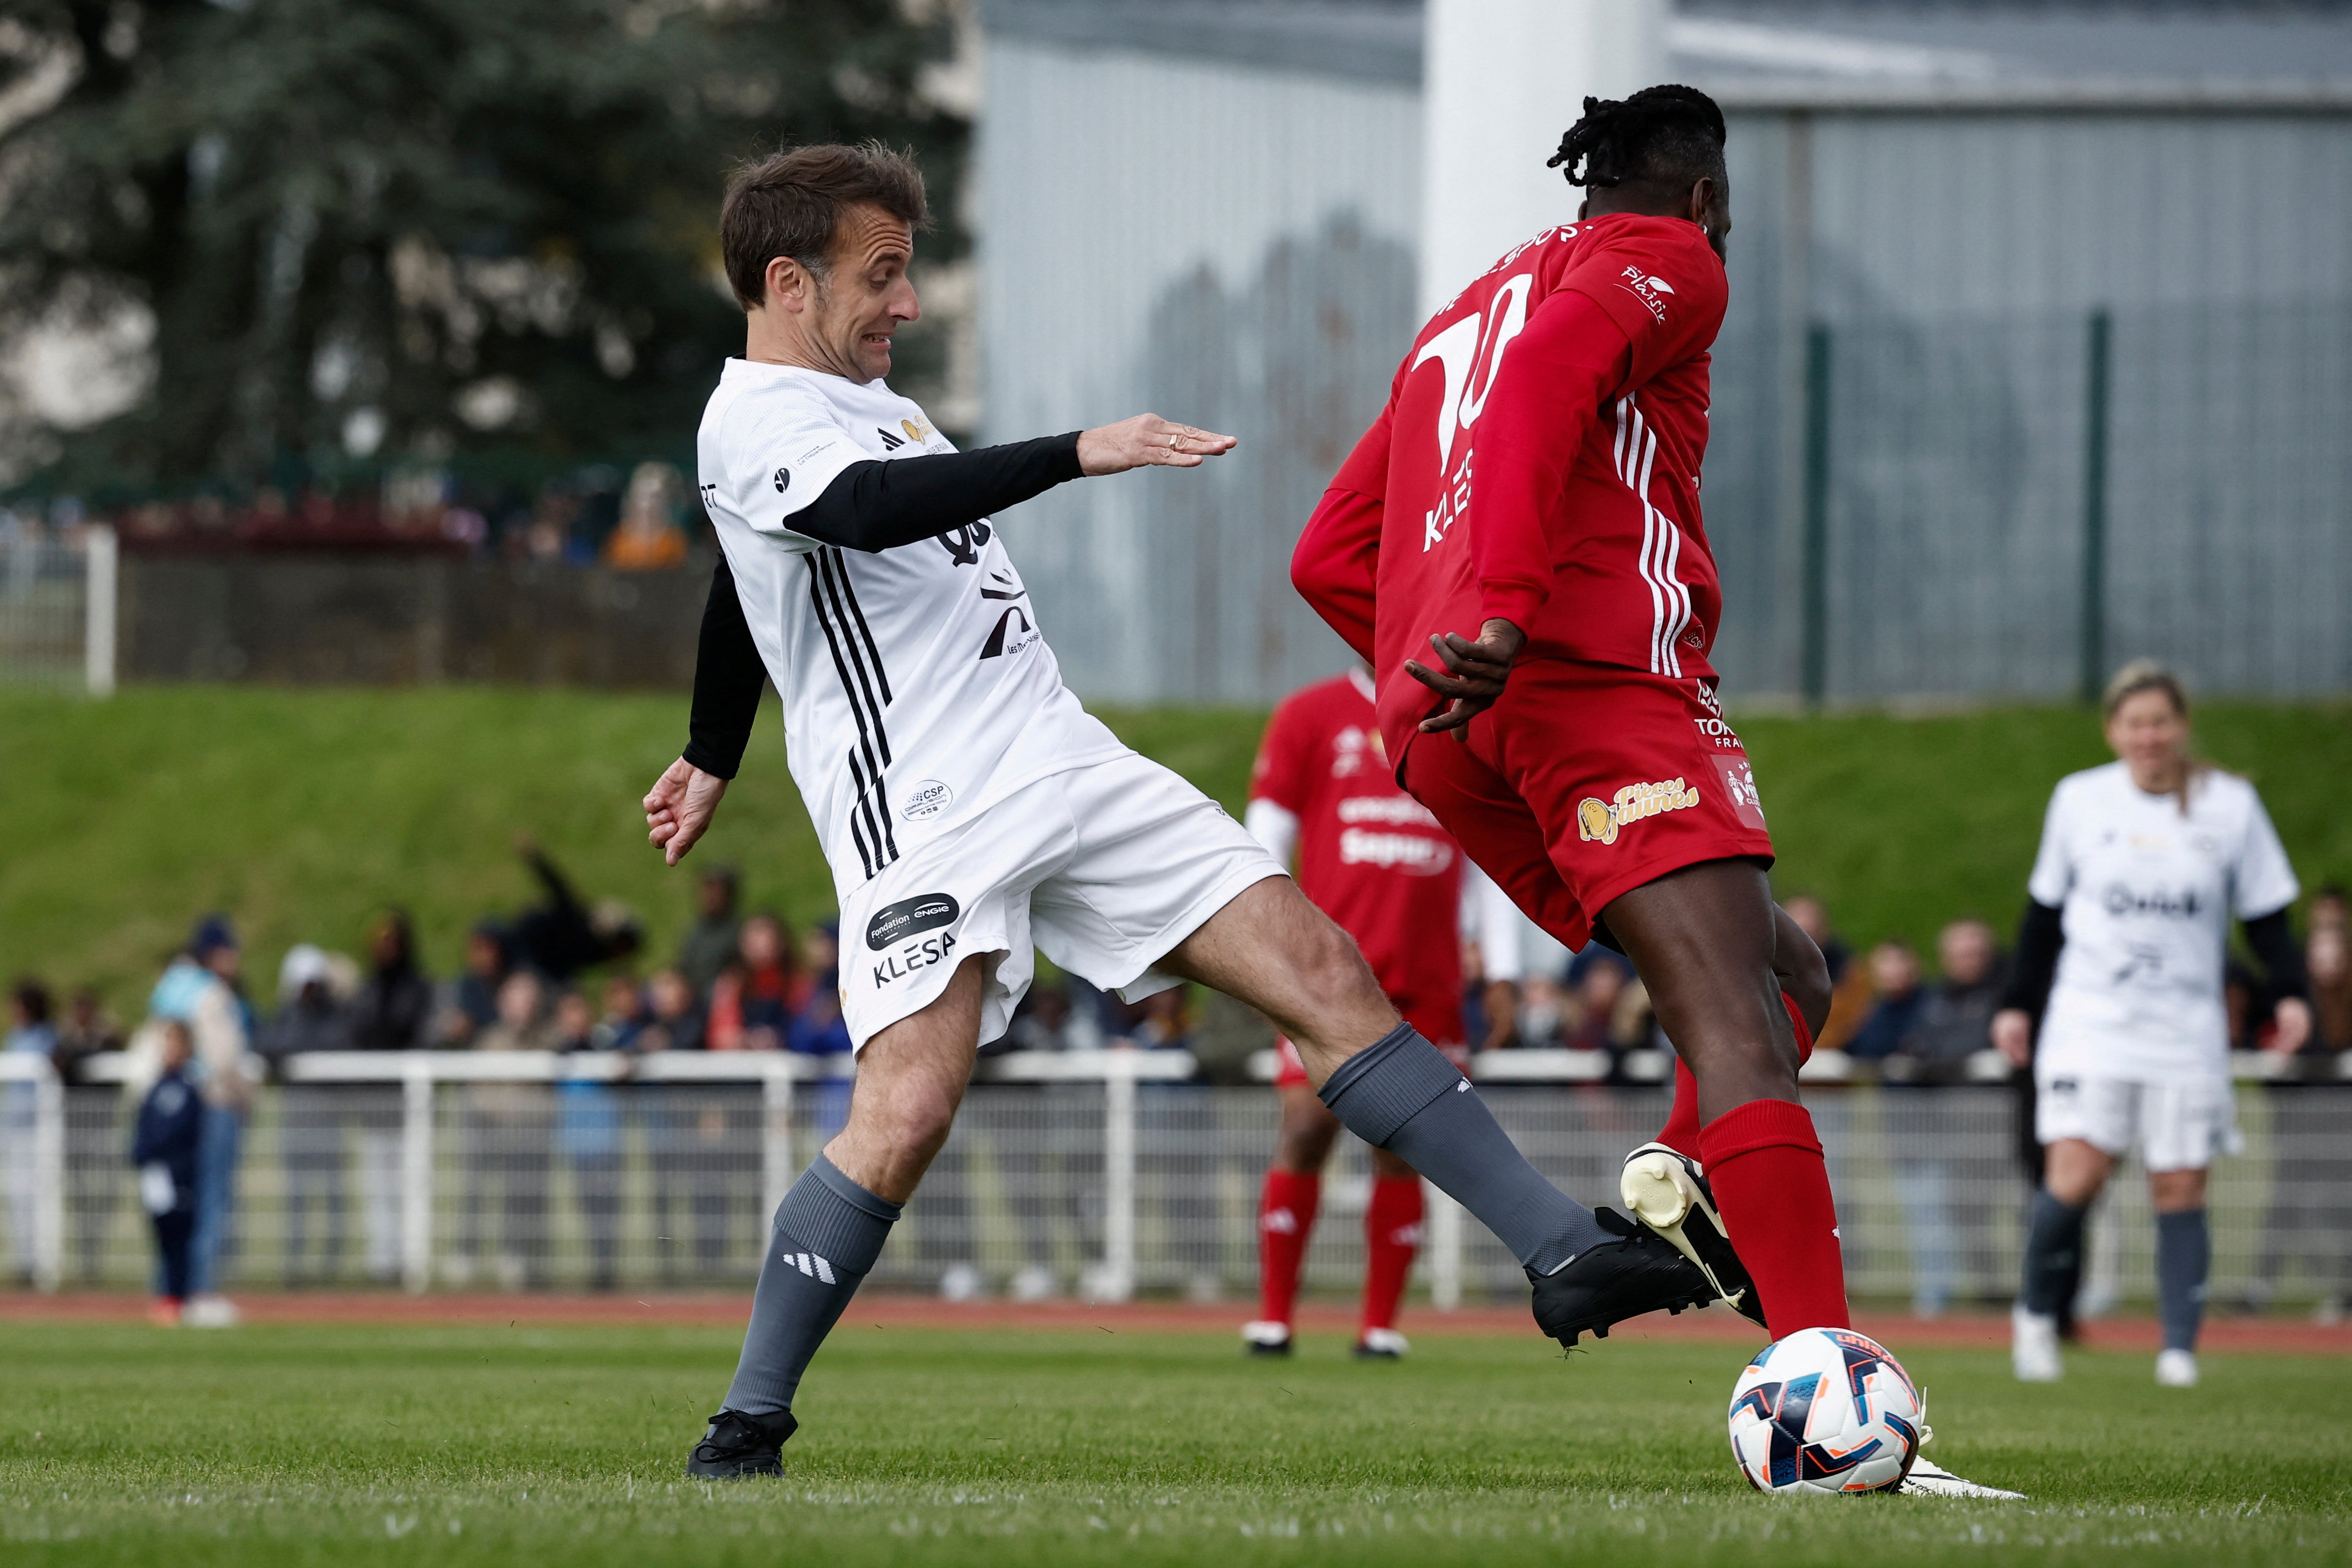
point(302, 811)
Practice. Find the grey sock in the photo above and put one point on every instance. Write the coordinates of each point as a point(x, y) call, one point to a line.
point(2184, 1255)
point(828, 1232)
point(2053, 1254)
point(1399, 1094)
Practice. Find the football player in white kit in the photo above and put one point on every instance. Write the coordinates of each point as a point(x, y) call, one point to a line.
point(972, 812)
point(2143, 864)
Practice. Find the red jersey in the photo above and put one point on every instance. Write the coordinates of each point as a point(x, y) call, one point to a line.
point(1538, 461)
point(1369, 855)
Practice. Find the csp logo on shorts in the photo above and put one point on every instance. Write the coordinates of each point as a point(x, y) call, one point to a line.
point(1598, 821)
point(893, 923)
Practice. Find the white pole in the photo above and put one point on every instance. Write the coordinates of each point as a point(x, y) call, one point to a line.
point(1444, 1247)
point(48, 1179)
point(776, 1144)
point(416, 1173)
point(99, 576)
point(1118, 1176)
point(1502, 82)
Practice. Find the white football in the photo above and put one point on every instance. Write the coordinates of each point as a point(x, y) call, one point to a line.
point(1825, 1410)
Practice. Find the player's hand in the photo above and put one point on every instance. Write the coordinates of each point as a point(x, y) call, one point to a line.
point(2292, 1018)
point(1502, 1001)
point(1475, 673)
point(2012, 1035)
point(1146, 441)
point(679, 806)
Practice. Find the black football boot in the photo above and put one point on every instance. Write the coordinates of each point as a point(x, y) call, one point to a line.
point(738, 1446)
point(1635, 1273)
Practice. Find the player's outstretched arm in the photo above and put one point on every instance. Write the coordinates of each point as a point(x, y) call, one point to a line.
point(1147, 441)
point(679, 806)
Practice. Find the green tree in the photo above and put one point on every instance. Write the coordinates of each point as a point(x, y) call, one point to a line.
point(364, 230)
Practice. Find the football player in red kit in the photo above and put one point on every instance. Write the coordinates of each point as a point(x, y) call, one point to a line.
point(1373, 859)
point(1526, 508)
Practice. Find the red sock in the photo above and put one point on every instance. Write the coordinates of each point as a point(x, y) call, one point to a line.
point(1286, 1214)
point(1392, 1237)
point(1681, 1130)
point(1764, 1161)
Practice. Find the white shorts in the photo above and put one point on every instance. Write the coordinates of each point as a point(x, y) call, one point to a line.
point(1105, 868)
point(2177, 1126)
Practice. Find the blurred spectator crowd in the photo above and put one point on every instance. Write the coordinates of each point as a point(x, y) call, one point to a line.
point(640, 520)
point(564, 974)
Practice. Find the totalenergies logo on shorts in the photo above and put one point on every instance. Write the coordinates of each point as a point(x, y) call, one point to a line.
point(1598, 821)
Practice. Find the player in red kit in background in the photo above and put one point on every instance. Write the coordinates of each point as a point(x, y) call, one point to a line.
point(1373, 859)
point(1526, 506)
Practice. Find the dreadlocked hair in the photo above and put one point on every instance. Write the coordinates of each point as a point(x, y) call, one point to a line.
point(1663, 134)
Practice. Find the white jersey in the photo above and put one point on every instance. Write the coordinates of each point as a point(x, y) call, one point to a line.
point(2146, 895)
point(918, 690)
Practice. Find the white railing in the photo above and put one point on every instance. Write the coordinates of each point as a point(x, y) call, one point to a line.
point(57, 609)
point(419, 1073)
point(1096, 1168)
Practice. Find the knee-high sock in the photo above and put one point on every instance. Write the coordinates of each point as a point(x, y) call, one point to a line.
point(828, 1232)
point(1399, 1094)
point(1681, 1130)
point(1391, 1238)
point(2053, 1255)
point(1764, 1161)
point(1286, 1214)
point(2184, 1254)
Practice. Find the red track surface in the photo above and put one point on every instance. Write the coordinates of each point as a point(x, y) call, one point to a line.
point(2274, 1336)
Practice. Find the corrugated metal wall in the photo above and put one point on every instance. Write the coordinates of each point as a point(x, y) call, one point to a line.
point(1233, 247)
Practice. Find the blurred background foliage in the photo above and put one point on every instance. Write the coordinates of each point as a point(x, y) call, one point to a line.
point(345, 234)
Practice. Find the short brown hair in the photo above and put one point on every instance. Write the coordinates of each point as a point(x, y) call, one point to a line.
point(790, 203)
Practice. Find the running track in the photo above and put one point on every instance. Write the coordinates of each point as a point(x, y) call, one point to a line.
point(2275, 1336)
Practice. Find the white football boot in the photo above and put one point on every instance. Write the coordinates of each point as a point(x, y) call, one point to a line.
point(1382, 1344)
point(1265, 1337)
point(1666, 1190)
point(2034, 1347)
point(2176, 1369)
point(1929, 1478)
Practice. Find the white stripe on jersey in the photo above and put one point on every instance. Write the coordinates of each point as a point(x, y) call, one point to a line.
point(1636, 453)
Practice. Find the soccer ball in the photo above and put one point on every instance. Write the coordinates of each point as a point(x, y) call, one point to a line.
point(1825, 1410)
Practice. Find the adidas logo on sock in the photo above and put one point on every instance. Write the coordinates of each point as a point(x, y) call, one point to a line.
point(1279, 1221)
point(815, 1266)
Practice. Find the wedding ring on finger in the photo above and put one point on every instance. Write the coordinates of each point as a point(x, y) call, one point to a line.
point(1175, 438)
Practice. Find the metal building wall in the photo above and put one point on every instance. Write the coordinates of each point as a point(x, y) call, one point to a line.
point(1956, 259)
point(1222, 244)
point(1232, 246)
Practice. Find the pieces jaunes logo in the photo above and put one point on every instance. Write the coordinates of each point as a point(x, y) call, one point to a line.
point(1600, 820)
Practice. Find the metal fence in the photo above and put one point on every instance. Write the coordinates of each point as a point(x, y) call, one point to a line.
point(57, 609)
point(1073, 1173)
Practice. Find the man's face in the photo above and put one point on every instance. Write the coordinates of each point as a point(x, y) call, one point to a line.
point(718, 898)
point(864, 298)
point(226, 962)
point(1965, 952)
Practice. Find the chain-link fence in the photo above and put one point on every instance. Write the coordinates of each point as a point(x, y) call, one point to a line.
point(1082, 1181)
point(57, 608)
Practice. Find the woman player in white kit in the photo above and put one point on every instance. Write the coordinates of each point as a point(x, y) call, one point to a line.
point(2120, 957)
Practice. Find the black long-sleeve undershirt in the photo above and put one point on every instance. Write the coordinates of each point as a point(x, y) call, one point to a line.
point(870, 507)
point(2041, 935)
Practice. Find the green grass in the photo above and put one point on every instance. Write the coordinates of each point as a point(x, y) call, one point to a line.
point(271, 1445)
point(302, 811)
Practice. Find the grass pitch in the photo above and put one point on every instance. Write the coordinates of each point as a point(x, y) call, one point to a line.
point(272, 1445)
point(301, 811)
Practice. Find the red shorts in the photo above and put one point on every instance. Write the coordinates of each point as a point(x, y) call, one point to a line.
point(1585, 781)
point(1292, 1072)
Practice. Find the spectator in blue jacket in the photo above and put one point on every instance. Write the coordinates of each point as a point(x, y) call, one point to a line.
point(1894, 976)
point(164, 1150)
